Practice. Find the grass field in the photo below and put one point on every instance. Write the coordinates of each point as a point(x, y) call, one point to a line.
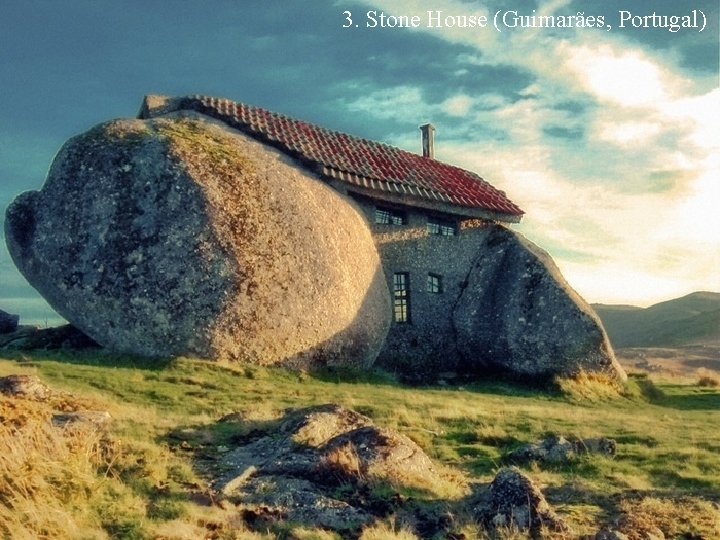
point(147, 477)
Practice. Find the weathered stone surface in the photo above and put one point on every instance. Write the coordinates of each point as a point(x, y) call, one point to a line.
point(377, 454)
point(558, 449)
point(279, 498)
point(97, 419)
point(294, 469)
point(8, 322)
point(516, 313)
point(308, 443)
point(28, 386)
point(515, 501)
point(180, 236)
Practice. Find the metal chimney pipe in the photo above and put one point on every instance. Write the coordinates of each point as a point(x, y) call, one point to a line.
point(428, 140)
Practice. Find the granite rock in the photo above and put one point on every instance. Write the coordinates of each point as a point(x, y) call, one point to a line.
point(181, 236)
point(517, 314)
point(516, 502)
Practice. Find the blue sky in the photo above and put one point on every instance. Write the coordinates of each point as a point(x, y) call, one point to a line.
point(607, 139)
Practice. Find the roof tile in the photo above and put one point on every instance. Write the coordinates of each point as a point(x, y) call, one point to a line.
point(346, 158)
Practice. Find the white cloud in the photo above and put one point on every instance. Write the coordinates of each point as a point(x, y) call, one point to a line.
point(628, 133)
point(457, 105)
point(640, 206)
point(625, 78)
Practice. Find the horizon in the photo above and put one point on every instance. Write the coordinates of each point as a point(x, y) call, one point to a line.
point(608, 139)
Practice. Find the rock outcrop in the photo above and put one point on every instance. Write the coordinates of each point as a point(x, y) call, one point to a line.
point(517, 314)
point(180, 236)
point(292, 471)
point(28, 386)
point(516, 502)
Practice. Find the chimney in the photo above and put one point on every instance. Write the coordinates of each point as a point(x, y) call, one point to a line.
point(428, 140)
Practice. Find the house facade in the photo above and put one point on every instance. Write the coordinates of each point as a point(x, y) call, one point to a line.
point(427, 217)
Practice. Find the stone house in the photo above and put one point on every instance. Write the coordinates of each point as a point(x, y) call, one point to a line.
point(427, 217)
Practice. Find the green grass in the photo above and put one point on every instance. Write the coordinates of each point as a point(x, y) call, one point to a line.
point(167, 430)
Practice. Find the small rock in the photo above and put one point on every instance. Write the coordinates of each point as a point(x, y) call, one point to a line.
point(554, 449)
point(516, 501)
point(557, 449)
point(8, 322)
point(596, 445)
point(24, 385)
point(95, 418)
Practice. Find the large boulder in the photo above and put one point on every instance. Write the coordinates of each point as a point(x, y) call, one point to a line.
point(181, 236)
point(517, 314)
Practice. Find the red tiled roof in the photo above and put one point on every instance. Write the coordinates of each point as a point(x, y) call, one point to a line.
point(372, 165)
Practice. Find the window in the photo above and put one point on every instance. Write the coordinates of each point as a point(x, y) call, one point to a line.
point(434, 284)
point(401, 297)
point(386, 216)
point(441, 228)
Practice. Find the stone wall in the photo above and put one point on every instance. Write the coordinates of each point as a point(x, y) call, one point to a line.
point(426, 345)
point(504, 305)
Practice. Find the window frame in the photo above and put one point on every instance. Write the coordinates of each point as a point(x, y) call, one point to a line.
point(441, 227)
point(401, 297)
point(434, 283)
point(394, 217)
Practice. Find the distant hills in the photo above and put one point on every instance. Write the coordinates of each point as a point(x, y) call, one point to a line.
point(690, 320)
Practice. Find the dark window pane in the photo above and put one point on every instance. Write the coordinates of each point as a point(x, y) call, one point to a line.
point(401, 298)
point(382, 216)
point(434, 284)
point(385, 216)
point(441, 228)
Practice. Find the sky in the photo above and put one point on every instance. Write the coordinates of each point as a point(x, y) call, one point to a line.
point(605, 133)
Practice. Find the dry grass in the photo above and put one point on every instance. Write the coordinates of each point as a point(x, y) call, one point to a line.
point(304, 533)
point(675, 517)
point(387, 530)
point(343, 464)
point(708, 381)
point(49, 474)
point(589, 387)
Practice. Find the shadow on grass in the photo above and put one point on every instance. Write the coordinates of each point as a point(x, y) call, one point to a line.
point(680, 397)
point(674, 480)
point(349, 375)
point(95, 357)
point(689, 398)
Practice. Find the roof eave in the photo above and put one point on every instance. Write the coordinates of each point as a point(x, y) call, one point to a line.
point(462, 212)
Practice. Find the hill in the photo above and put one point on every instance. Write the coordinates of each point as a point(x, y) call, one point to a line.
point(693, 319)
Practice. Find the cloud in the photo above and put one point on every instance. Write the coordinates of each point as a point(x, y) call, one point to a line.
point(612, 151)
point(458, 105)
point(625, 78)
point(396, 103)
